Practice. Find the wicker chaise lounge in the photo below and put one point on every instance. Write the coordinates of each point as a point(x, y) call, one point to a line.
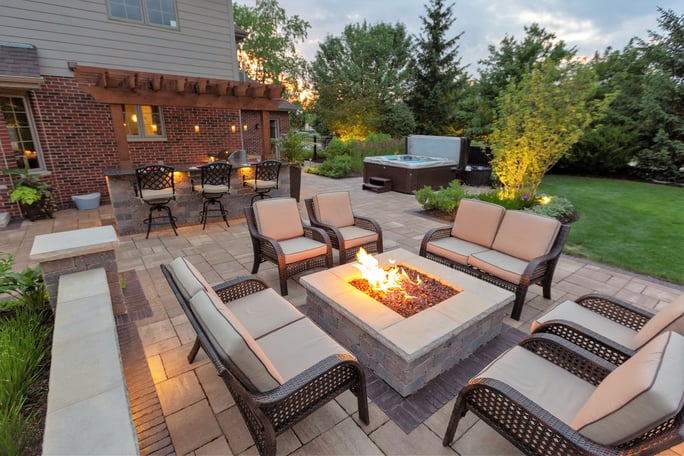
point(609, 327)
point(511, 249)
point(549, 397)
point(277, 364)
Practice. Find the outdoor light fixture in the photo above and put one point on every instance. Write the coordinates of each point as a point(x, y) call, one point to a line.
point(197, 129)
point(244, 127)
point(256, 127)
point(232, 128)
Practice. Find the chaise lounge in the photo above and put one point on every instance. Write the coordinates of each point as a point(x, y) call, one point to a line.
point(277, 364)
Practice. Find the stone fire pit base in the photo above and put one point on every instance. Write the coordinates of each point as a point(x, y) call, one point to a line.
point(407, 352)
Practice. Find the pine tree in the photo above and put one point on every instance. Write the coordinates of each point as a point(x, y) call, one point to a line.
point(437, 77)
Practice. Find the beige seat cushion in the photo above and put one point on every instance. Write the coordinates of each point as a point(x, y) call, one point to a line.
point(233, 342)
point(582, 317)
point(297, 347)
point(334, 208)
point(278, 218)
point(261, 184)
point(477, 221)
point(551, 387)
point(525, 235)
point(499, 264)
point(154, 195)
point(263, 312)
point(188, 278)
point(354, 236)
point(457, 250)
point(302, 248)
point(641, 393)
point(669, 318)
point(214, 189)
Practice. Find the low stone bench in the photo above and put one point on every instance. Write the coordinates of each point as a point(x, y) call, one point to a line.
point(88, 410)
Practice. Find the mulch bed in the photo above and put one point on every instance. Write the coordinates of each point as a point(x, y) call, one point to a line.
point(423, 292)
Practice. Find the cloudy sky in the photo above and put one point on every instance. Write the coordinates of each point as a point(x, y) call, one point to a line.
point(590, 25)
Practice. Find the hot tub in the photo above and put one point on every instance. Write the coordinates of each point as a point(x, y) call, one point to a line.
point(411, 172)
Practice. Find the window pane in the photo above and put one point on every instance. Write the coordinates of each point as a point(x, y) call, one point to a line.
point(16, 116)
point(152, 120)
point(126, 9)
point(162, 12)
point(130, 120)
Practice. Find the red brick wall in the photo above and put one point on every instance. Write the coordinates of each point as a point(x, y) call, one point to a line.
point(77, 139)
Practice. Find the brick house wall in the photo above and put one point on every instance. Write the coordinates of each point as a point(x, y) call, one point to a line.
point(78, 141)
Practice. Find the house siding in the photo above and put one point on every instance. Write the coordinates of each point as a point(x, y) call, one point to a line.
point(81, 31)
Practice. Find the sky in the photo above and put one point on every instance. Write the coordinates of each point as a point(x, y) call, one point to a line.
point(589, 25)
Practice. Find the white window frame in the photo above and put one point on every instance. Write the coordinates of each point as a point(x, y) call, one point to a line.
point(34, 133)
point(141, 136)
point(145, 13)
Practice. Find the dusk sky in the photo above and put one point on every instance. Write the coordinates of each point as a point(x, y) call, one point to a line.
point(590, 25)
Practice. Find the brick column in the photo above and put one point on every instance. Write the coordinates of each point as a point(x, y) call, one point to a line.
point(75, 251)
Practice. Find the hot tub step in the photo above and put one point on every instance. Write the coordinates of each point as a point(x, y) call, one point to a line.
point(378, 184)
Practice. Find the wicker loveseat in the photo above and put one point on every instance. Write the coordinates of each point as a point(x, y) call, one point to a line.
point(549, 397)
point(511, 249)
point(278, 365)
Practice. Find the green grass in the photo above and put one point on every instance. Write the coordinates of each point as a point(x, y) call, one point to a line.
point(633, 225)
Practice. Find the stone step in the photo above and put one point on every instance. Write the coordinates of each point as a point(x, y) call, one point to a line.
point(378, 184)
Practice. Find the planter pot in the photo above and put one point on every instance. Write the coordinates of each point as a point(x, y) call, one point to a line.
point(41, 209)
point(295, 181)
point(85, 202)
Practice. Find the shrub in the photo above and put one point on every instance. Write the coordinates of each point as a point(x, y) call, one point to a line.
point(336, 167)
point(557, 207)
point(444, 199)
point(497, 197)
point(337, 147)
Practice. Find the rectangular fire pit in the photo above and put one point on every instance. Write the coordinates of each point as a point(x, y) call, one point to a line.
point(407, 352)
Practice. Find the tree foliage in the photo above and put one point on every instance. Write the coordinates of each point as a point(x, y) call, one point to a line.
point(509, 63)
point(270, 46)
point(538, 120)
point(359, 76)
point(437, 77)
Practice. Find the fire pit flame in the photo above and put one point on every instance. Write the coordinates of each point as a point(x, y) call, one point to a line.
point(379, 279)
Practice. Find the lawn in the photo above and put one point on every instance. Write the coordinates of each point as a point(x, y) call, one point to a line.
point(633, 225)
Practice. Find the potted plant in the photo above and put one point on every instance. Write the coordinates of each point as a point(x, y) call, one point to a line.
point(292, 149)
point(34, 197)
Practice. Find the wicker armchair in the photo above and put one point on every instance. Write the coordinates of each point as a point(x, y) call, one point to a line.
point(268, 412)
point(609, 327)
point(279, 236)
point(348, 231)
point(574, 403)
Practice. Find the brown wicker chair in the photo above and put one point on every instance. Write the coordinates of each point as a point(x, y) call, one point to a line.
point(348, 231)
point(609, 327)
point(279, 236)
point(564, 368)
point(267, 414)
point(481, 226)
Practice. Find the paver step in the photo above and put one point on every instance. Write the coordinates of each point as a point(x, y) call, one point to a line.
point(378, 184)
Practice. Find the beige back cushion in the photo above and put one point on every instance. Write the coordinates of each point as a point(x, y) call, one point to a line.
point(525, 235)
point(233, 342)
point(187, 277)
point(638, 395)
point(477, 221)
point(334, 208)
point(669, 318)
point(278, 218)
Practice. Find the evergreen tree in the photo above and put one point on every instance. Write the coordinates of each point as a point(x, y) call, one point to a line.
point(436, 73)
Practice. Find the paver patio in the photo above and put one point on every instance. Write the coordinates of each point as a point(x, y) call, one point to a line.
point(198, 411)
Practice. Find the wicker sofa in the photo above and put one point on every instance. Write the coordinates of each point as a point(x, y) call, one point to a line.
point(511, 249)
point(277, 364)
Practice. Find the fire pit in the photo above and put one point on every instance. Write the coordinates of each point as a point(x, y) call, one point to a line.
point(407, 352)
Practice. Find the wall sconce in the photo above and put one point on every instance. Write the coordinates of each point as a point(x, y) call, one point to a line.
point(256, 127)
point(232, 128)
point(197, 129)
point(244, 127)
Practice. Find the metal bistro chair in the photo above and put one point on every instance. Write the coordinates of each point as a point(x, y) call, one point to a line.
point(215, 184)
point(156, 188)
point(265, 179)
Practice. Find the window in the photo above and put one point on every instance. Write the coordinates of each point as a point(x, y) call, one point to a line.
point(155, 12)
point(143, 122)
point(22, 132)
